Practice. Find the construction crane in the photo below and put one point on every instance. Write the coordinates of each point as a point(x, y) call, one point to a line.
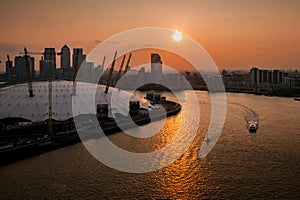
point(28, 72)
point(110, 73)
point(41, 53)
point(127, 64)
point(49, 84)
point(121, 67)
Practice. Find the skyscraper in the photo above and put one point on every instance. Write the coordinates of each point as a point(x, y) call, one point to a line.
point(65, 57)
point(42, 69)
point(49, 62)
point(78, 57)
point(156, 67)
point(8, 71)
point(20, 68)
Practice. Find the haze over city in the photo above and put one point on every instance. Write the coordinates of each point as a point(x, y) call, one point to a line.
point(237, 34)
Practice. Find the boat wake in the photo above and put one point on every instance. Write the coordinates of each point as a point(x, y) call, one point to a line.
point(251, 117)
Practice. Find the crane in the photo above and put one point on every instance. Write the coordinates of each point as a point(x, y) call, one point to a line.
point(127, 64)
point(41, 53)
point(28, 73)
point(49, 84)
point(110, 73)
point(120, 70)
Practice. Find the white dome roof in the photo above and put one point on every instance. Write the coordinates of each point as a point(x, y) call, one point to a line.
point(15, 101)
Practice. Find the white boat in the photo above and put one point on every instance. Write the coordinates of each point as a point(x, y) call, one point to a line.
point(253, 125)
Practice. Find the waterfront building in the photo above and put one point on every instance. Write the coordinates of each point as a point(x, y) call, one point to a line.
point(267, 77)
point(254, 75)
point(290, 82)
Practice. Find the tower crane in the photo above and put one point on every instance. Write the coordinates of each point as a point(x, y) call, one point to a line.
point(26, 54)
point(28, 72)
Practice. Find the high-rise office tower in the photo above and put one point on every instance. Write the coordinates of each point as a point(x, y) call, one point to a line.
point(65, 57)
point(9, 66)
point(49, 62)
point(20, 68)
point(156, 67)
point(42, 69)
point(78, 57)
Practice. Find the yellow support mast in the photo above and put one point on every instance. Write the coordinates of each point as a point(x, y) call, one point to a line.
point(110, 73)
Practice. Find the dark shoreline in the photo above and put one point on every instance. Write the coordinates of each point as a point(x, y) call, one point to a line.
point(10, 155)
point(295, 96)
point(278, 92)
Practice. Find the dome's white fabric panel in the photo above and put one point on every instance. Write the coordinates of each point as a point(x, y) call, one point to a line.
point(15, 101)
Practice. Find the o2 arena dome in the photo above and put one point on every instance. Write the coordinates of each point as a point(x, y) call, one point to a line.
point(16, 103)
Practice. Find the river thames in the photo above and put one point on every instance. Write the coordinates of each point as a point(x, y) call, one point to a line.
point(265, 165)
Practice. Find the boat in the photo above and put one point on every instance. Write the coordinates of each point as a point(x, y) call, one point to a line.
point(253, 125)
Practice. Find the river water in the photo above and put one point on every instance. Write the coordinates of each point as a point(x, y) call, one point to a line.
point(265, 165)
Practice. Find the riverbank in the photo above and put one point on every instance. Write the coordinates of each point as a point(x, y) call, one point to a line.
point(278, 92)
point(109, 126)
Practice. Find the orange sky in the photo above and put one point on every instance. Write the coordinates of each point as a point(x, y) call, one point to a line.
point(237, 34)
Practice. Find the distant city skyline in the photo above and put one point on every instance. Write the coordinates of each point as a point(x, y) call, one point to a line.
point(237, 34)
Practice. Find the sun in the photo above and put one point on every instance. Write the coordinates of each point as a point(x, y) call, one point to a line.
point(177, 36)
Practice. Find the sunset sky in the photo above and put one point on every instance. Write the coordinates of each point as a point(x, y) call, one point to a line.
point(237, 34)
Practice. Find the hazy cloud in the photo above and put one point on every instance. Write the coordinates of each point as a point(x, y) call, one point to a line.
point(6, 47)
